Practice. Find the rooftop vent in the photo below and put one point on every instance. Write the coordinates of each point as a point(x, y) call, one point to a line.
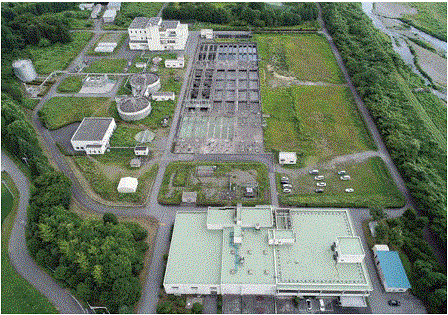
point(241, 260)
point(232, 271)
point(265, 252)
point(250, 272)
point(232, 252)
point(333, 246)
point(266, 272)
point(249, 252)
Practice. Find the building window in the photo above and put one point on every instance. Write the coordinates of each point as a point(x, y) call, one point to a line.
point(174, 288)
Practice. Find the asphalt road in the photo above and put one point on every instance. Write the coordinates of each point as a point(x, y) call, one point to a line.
point(166, 215)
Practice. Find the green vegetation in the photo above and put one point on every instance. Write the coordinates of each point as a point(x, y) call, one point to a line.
point(124, 135)
point(61, 111)
point(70, 84)
point(58, 56)
point(76, 19)
point(430, 18)
point(370, 180)
point(435, 109)
point(30, 103)
point(415, 144)
point(181, 176)
point(18, 296)
point(306, 57)
point(108, 37)
point(130, 10)
point(327, 126)
point(106, 66)
point(95, 169)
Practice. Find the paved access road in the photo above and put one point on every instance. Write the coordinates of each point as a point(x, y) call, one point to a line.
point(18, 252)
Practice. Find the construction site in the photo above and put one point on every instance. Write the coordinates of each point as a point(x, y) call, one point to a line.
point(221, 110)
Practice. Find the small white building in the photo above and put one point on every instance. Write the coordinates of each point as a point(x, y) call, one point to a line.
point(390, 269)
point(127, 185)
point(86, 6)
point(287, 158)
point(93, 135)
point(109, 15)
point(95, 11)
point(141, 150)
point(163, 96)
point(179, 62)
point(114, 5)
point(154, 34)
point(207, 33)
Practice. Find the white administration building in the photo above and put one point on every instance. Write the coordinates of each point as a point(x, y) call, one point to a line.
point(264, 250)
point(93, 135)
point(155, 35)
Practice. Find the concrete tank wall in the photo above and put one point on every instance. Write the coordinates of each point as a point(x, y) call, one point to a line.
point(24, 70)
point(134, 115)
point(142, 82)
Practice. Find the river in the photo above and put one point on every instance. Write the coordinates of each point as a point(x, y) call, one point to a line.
point(401, 47)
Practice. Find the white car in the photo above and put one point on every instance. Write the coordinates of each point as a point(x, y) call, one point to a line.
point(345, 177)
point(322, 184)
point(349, 190)
point(286, 190)
point(320, 177)
point(287, 186)
point(314, 172)
point(342, 173)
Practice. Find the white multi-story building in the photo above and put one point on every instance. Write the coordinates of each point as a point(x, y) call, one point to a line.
point(179, 62)
point(93, 135)
point(154, 34)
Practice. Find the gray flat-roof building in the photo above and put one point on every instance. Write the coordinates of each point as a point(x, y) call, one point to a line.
point(264, 250)
point(93, 134)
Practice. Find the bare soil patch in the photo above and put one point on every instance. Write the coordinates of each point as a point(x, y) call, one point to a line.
point(393, 9)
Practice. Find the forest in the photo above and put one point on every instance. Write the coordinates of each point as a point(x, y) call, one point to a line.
point(380, 77)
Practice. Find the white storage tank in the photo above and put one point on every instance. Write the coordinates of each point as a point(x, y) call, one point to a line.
point(24, 70)
point(144, 81)
point(133, 108)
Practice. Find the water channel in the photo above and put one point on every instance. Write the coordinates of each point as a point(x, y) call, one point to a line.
point(401, 47)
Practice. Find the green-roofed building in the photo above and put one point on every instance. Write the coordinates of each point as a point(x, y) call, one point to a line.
point(264, 250)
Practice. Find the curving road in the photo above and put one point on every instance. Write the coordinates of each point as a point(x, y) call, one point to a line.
point(164, 214)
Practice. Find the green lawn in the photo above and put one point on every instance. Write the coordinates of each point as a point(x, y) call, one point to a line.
point(133, 9)
point(318, 122)
point(58, 56)
point(70, 84)
point(61, 111)
point(430, 17)
point(106, 66)
point(29, 103)
point(18, 296)
point(370, 180)
point(209, 193)
point(306, 57)
point(124, 135)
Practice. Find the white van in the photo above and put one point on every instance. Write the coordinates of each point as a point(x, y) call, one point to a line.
point(322, 305)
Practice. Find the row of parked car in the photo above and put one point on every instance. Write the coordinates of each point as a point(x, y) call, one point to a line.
point(286, 185)
point(343, 176)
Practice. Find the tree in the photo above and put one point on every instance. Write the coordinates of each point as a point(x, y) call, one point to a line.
point(84, 291)
point(381, 232)
point(437, 301)
point(164, 307)
point(377, 213)
point(197, 308)
point(126, 291)
point(111, 218)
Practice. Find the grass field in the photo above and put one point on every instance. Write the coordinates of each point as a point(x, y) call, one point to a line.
point(29, 103)
point(77, 19)
point(18, 296)
point(116, 161)
point(306, 57)
point(181, 176)
point(431, 18)
point(435, 109)
point(61, 111)
point(58, 56)
point(106, 66)
point(370, 179)
point(124, 135)
point(317, 122)
point(129, 10)
point(70, 84)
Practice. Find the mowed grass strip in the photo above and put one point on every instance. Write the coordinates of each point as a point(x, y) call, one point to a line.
point(58, 56)
point(61, 111)
point(318, 122)
point(306, 57)
point(123, 136)
point(370, 180)
point(18, 296)
point(106, 66)
point(70, 85)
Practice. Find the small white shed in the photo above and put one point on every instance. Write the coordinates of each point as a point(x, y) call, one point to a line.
point(127, 185)
point(287, 158)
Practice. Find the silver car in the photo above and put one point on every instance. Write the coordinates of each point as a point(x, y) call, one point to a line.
point(349, 190)
point(345, 177)
point(319, 177)
point(322, 184)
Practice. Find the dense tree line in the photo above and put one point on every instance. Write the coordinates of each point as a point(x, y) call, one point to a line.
point(376, 72)
point(98, 259)
point(256, 14)
point(33, 24)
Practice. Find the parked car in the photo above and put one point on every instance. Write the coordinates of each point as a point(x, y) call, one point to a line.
point(318, 190)
point(322, 184)
point(342, 173)
point(319, 177)
point(394, 303)
point(286, 190)
point(322, 305)
point(314, 172)
point(284, 180)
point(287, 185)
point(349, 190)
point(345, 177)
point(309, 305)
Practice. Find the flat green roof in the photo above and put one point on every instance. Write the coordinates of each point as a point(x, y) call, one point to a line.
point(261, 216)
point(350, 246)
point(220, 217)
point(195, 252)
